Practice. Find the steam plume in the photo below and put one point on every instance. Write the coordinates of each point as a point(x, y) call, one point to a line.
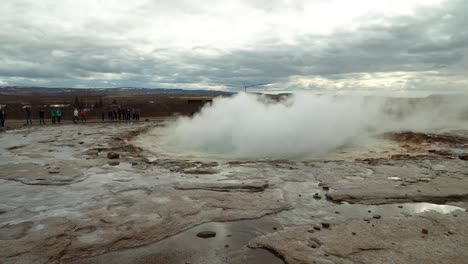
point(304, 124)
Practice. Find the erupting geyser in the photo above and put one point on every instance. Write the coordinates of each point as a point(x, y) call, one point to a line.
point(302, 124)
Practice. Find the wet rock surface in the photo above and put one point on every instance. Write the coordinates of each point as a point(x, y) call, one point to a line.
point(66, 199)
point(393, 240)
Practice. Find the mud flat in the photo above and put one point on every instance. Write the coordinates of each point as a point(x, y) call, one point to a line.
point(97, 194)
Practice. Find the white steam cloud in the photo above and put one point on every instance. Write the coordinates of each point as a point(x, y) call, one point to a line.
point(303, 124)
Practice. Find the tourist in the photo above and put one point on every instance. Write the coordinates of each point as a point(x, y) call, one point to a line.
point(53, 115)
point(133, 113)
point(41, 116)
point(83, 115)
point(2, 117)
point(75, 116)
point(138, 112)
point(28, 116)
point(119, 112)
point(58, 113)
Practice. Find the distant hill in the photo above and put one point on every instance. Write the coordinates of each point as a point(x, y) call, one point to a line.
point(119, 91)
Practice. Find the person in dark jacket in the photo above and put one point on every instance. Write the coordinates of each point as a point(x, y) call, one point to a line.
point(28, 116)
point(41, 117)
point(2, 117)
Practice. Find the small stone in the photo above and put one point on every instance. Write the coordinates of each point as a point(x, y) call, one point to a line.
point(114, 163)
point(369, 211)
point(317, 228)
point(317, 196)
point(81, 142)
point(353, 233)
point(310, 231)
point(226, 246)
point(326, 225)
point(367, 219)
point(424, 231)
point(337, 212)
point(113, 155)
point(274, 228)
point(313, 246)
point(400, 206)
point(377, 216)
point(326, 188)
point(206, 234)
point(300, 195)
point(463, 157)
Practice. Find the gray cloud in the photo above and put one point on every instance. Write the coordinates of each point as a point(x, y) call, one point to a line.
point(426, 49)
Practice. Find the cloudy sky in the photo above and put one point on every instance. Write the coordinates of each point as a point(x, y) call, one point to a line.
point(338, 46)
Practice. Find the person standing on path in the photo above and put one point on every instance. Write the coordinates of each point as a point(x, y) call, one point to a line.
point(41, 117)
point(28, 116)
point(75, 116)
point(138, 113)
point(58, 113)
point(2, 117)
point(83, 115)
point(52, 114)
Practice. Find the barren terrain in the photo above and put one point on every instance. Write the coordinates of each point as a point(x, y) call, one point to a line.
point(95, 194)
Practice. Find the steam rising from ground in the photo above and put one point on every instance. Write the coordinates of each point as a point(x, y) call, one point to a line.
point(304, 124)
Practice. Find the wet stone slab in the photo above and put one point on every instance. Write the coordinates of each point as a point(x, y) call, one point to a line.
point(228, 246)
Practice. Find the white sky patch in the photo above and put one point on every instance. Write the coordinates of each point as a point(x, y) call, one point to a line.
point(222, 24)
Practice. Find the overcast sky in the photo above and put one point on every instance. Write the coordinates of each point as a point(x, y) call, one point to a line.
point(338, 46)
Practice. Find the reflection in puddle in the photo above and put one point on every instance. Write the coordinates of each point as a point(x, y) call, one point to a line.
point(356, 210)
point(440, 208)
point(228, 246)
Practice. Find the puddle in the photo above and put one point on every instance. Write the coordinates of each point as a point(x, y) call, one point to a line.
point(228, 246)
point(356, 210)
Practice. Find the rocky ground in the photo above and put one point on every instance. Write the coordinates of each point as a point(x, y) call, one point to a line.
point(95, 194)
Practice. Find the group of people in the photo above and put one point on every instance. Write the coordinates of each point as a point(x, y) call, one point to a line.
point(55, 114)
point(122, 114)
point(79, 115)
